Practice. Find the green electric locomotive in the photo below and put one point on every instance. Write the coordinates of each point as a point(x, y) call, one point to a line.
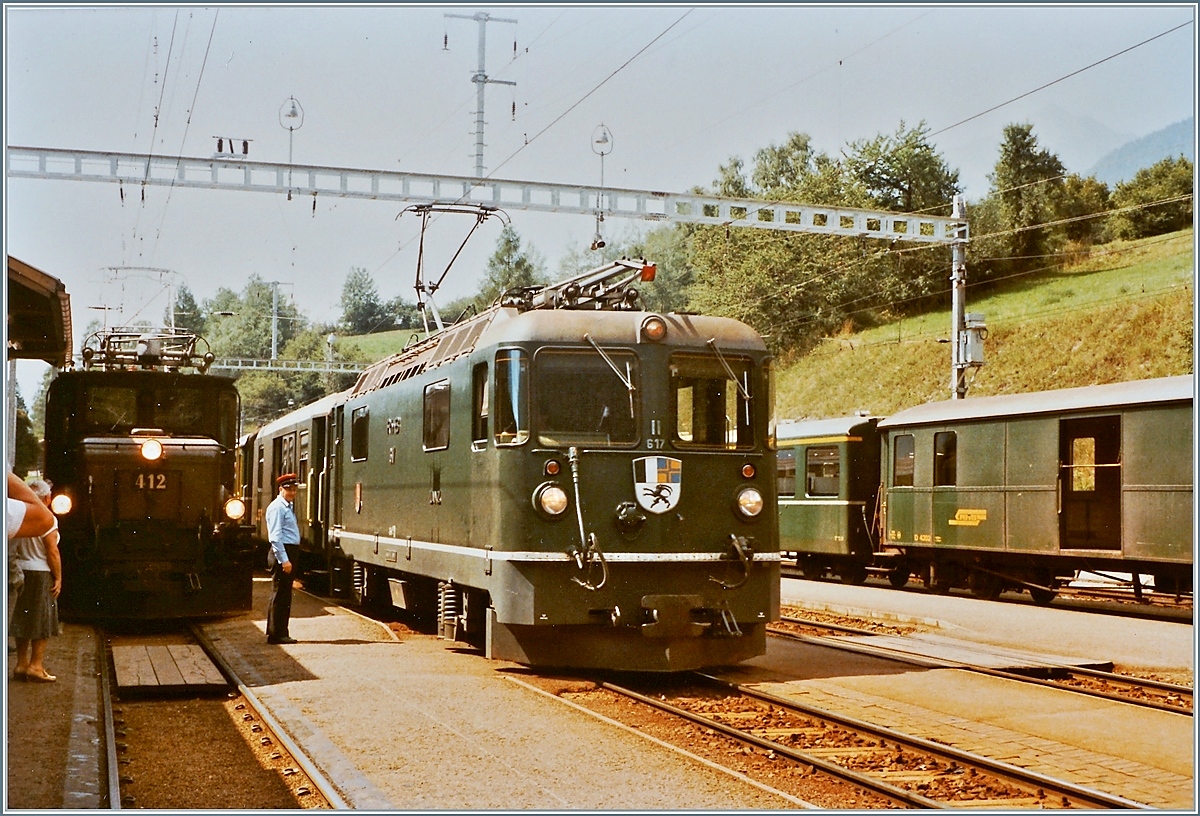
point(141, 455)
point(563, 479)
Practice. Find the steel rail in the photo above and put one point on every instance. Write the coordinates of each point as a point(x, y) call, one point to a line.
point(111, 760)
point(941, 662)
point(1011, 773)
point(864, 781)
point(324, 786)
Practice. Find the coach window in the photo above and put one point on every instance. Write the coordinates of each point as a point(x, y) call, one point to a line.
point(945, 459)
point(479, 406)
point(785, 469)
point(437, 416)
point(302, 472)
point(822, 471)
point(903, 456)
point(358, 434)
point(512, 397)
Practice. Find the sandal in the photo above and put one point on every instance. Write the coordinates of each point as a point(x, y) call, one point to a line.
point(44, 677)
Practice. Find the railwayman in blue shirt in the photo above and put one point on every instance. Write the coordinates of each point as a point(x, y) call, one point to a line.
point(282, 530)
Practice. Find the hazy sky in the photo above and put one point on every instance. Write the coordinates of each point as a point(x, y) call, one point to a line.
point(682, 89)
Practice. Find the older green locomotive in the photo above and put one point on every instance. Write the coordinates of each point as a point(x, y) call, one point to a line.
point(1007, 492)
point(141, 455)
point(563, 479)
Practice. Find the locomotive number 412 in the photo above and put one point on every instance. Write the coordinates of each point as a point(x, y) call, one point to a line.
point(150, 481)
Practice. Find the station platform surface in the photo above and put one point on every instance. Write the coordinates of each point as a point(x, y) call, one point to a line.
point(1127, 642)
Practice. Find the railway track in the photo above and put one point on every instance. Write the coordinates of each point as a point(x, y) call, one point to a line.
point(894, 769)
point(137, 721)
point(1109, 685)
point(1097, 599)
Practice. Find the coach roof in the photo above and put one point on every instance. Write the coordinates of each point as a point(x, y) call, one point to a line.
point(1064, 400)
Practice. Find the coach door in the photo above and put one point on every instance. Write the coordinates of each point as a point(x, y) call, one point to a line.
point(1089, 483)
point(318, 488)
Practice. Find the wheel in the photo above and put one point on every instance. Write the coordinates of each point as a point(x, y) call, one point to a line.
point(853, 574)
point(938, 579)
point(811, 569)
point(1043, 595)
point(898, 576)
point(985, 585)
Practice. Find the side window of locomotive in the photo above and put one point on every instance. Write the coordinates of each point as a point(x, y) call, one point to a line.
point(710, 408)
point(227, 422)
point(358, 434)
point(479, 404)
point(111, 409)
point(437, 416)
point(822, 471)
point(945, 459)
point(903, 457)
point(580, 398)
point(785, 470)
point(512, 397)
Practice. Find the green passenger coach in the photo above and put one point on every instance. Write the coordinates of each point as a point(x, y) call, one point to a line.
point(828, 484)
point(1023, 490)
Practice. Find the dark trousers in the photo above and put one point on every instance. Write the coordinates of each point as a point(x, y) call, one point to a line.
point(279, 610)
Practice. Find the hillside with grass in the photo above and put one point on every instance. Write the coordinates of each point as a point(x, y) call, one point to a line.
point(1124, 312)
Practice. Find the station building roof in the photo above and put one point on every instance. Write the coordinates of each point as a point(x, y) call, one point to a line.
point(39, 315)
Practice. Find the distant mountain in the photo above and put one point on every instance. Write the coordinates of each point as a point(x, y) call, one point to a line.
point(1123, 163)
point(1078, 140)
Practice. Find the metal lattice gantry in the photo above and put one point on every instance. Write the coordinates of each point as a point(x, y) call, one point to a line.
point(236, 173)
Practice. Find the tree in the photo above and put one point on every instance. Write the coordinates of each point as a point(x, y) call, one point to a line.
point(187, 312)
point(26, 454)
point(1027, 184)
point(362, 310)
point(1082, 197)
point(404, 315)
point(509, 267)
point(1171, 181)
point(239, 325)
point(903, 172)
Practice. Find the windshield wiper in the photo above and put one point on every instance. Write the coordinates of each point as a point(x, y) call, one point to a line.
point(626, 379)
point(744, 390)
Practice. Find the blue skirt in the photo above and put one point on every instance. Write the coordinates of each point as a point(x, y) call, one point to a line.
point(36, 614)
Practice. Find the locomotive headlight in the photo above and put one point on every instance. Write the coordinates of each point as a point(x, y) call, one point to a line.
point(61, 504)
point(749, 502)
point(235, 508)
point(152, 450)
point(550, 499)
point(654, 328)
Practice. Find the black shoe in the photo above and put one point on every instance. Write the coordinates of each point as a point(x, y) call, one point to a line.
point(282, 640)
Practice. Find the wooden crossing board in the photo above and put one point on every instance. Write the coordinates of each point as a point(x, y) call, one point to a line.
point(173, 666)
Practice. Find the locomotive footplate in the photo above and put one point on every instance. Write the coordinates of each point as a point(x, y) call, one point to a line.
point(672, 616)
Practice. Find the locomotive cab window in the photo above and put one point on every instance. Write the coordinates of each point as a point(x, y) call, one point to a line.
point(822, 471)
point(512, 398)
point(586, 397)
point(903, 457)
point(302, 468)
point(945, 459)
point(437, 416)
point(711, 409)
point(358, 434)
point(785, 470)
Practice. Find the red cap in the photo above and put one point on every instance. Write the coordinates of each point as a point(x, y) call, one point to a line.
point(286, 480)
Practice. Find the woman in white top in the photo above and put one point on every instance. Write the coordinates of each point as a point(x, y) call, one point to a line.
point(35, 618)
